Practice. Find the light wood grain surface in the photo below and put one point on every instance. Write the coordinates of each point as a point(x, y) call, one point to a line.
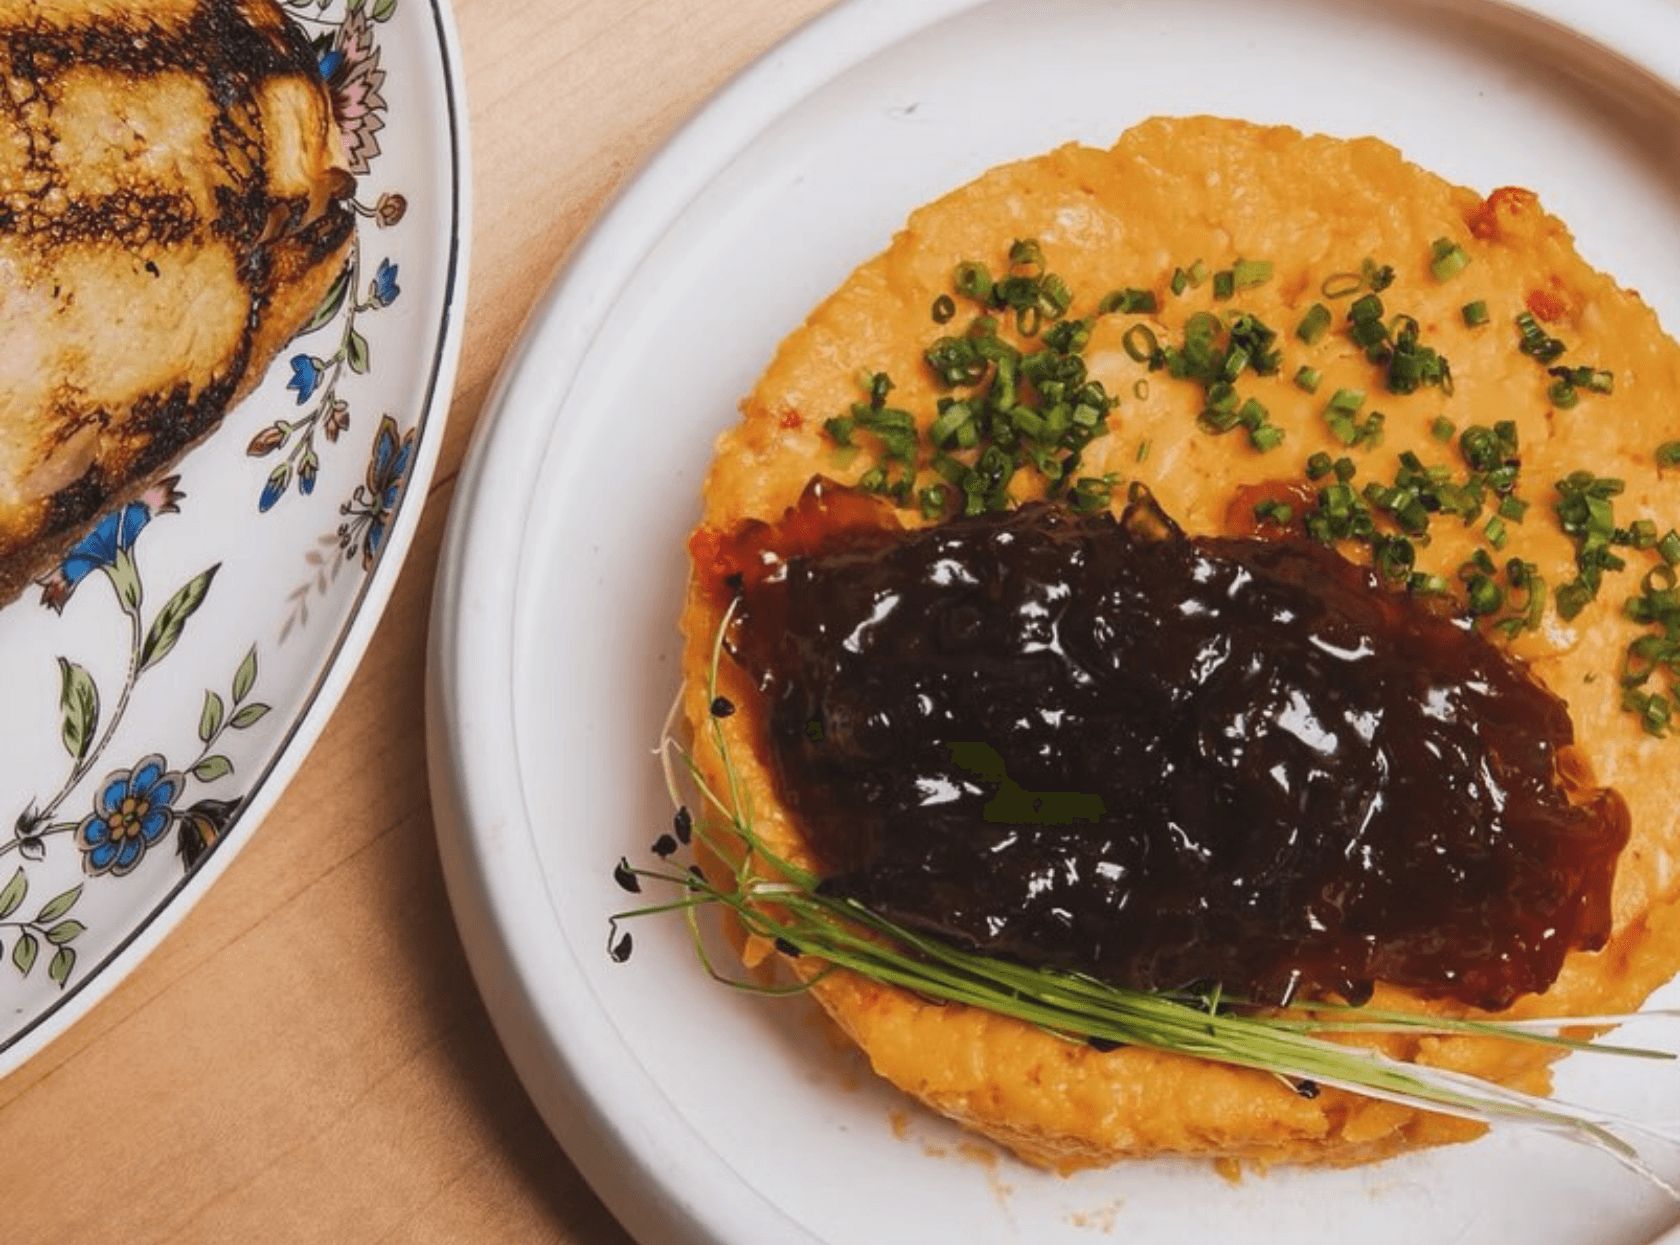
point(305, 1058)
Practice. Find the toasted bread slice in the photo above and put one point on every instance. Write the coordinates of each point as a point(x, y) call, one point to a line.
point(172, 210)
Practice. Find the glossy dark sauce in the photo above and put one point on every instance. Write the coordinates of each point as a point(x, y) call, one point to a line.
point(1307, 784)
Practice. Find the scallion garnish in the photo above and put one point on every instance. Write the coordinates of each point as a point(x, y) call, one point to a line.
point(1246, 274)
point(1475, 314)
point(1140, 343)
point(1342, 284)
point(1657, 651)
point(1314, 324)
point(1128, 301)
point(1584, 508)
point(973, 281)
point(1447, 259)
point(1534, 341)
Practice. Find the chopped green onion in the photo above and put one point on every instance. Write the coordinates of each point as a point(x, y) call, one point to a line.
point(1224, 284)
point(1054, 296)
point(1447, 259)
point(1484, 596)
point(1535, 341)
point(1140, 343)
point(1378, 276)
point(951, 420)
point(1246, 274)
point(1026, 253)
point(1475, 314)
point(1314, 324)
point(973, 281)
point(944, 307)
point(1308, 378)
point(1341, 284)
point(1442, 429)
point(1128, 301)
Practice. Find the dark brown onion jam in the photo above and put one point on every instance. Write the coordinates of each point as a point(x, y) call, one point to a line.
point(1307, 783)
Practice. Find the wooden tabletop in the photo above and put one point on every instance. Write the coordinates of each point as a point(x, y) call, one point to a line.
point(306, 1058)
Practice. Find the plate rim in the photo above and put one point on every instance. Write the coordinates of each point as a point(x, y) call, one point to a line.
point(475, 788)
point(345, 655)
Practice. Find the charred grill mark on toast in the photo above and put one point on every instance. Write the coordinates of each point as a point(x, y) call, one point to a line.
point(217, 42)
point(131, 218)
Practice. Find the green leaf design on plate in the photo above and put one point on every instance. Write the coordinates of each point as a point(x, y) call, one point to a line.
point(245, 678)
point(58, 905)
point(210, 719)
point(13, 895)
point(330, 304)
point(356, 352)
point(212, 768)
point(78, 700)
point(250, 715)
point(23, 954)
point(65, 931)
point(172, 618)
point(62, 963)
point(125, 578)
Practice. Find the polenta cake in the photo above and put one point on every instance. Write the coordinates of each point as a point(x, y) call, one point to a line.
point(1236, 566)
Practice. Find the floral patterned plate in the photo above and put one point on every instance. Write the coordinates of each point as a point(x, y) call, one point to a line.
point(169, 675)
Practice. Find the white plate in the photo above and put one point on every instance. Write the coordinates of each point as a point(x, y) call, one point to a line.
point(305, 502)
point(705, 1116)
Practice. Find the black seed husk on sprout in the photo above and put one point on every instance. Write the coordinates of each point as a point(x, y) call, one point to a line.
point(620, 949)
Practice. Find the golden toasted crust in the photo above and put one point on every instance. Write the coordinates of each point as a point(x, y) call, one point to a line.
point(172, 210)
point(1171, 192)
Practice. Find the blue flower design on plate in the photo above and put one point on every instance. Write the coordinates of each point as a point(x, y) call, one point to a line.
point(114, 535)
point(386, 472)
point(131, 812)
point(385, 290)
point(306, 376)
